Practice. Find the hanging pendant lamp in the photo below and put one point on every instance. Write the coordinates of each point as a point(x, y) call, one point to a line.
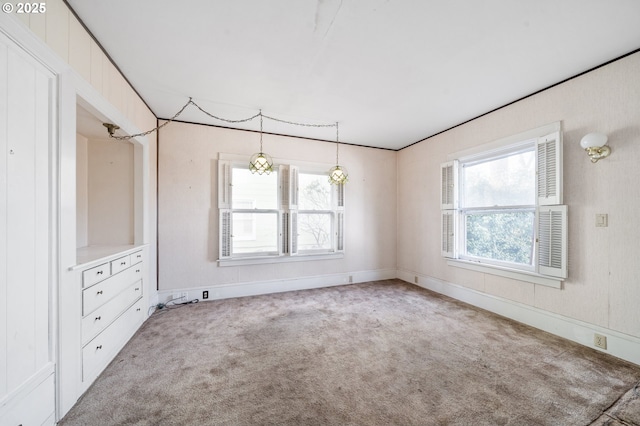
point(260, 162)
point(338, 175)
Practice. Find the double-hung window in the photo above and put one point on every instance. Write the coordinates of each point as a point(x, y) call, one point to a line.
point(292, 212)
point(501, 205)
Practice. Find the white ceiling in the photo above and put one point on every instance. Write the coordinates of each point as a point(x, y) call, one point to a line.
point(391, 72)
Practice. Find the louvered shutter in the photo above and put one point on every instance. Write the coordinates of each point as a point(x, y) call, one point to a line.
point(449, 183)
point(338, 196)
point(285, 232)
point(285, 189)
point(293, 233)
point(293, 187)
point(552, 241)
point(224, 184)
point(226, 231)
point(448, 237)
point(289, 203)
point(339, 232)
point(293, 206)
point(549, 159)
point(448, 205)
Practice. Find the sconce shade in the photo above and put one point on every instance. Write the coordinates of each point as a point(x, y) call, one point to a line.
point(596, 146)
point(593, 140)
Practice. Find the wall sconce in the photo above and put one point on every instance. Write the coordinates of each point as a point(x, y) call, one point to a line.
point(596, 146)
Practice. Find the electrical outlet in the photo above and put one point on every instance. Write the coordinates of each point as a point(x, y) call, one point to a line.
point(350, 278)
point(600, 341)
point(415, 279)
point(184, 297)
point(205, 294)
point(175, 297)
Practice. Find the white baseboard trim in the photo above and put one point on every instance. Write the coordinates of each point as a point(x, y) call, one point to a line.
point(255, 288)
point(619, 344)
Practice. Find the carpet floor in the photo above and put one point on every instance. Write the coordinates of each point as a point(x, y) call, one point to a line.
point(380, 353)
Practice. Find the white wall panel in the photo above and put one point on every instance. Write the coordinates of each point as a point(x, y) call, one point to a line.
point(26, 286)
point(4, 153)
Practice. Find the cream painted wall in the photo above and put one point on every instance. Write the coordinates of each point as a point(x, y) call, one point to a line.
point(110, 192)
point(82, 191)
point(188, 216)
point(602, 288)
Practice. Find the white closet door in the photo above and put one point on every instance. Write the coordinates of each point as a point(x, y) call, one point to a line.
point(26, 88)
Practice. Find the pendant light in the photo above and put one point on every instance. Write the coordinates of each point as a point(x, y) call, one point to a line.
point(338, 175)
point(260, 162)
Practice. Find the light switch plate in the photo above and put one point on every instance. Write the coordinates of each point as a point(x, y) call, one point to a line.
point(602, 220)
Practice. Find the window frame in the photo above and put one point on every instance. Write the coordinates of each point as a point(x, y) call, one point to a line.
point(474, 159)
point(548, 204)
point(286, 209)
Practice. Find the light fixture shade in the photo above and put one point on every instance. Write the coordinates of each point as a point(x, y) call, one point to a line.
point(593, 140)
point(338, 175)
point(261, 163)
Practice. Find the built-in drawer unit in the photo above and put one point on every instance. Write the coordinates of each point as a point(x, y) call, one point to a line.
point(100, 351)
point(99, 319)
point(112, 310)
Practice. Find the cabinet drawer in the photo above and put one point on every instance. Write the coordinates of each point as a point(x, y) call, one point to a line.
point(99, 294)
point(120, 264)
point(103, 316)
point(137, 257)
point(95, 275)
point(101, 350)
point(137, 271)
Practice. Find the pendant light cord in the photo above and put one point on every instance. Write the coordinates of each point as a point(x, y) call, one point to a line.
point(226, 120)
point(337, 143)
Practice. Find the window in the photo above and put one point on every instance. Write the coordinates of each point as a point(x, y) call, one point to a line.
point(501, 205)
point(315, 213)
point(254, 212)
point(293, 211)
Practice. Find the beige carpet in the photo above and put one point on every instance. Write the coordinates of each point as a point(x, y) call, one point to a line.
point(382, 353)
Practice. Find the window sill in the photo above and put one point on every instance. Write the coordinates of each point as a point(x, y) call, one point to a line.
point(530, 277)
point(278, 259)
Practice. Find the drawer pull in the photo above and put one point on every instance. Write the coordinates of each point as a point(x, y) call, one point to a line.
point(137, 289)
point(137, 270)
point(100, 272)
point(98, 318)
point(123, 263)
point(100, 292)
point(98, 347)
point(138, 310)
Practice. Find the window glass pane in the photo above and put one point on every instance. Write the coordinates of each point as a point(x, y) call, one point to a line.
point(255, 233)
point(261, 190)
point(504, 181)
point(314, 231)
point(314, 192)
point(503, 236)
